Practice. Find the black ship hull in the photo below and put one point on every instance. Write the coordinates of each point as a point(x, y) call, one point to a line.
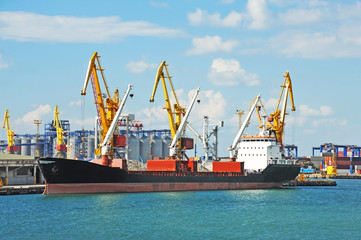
point(65, 176)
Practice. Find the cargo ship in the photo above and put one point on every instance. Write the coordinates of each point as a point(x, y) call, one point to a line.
point(65, 176)
point(255, 164)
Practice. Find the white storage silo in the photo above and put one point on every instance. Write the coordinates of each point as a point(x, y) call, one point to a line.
point(145, 148)
point(71, 149)
point(157, 146)
point(134, 145)
point(166, 141)
point(91, 146)
point(17, 142)
point(25, 148)
point(40, 146)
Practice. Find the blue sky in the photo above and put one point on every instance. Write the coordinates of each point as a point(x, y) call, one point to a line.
point(231, 49)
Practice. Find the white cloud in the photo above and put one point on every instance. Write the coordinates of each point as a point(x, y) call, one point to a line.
point(323, 44)
point(3, 64)
point(36, 114)
point(159, 4)
point(226, 1)
point(228, 72)
point(153, 118)
point(258, 12)
point(270, 105)
point(211, 44)
point(345, 11)
point(328, 122)
point(75, 103)
point(306, 111)
point(87, 123)
point(139, 67)
point(300, 16)
point(26, 26)
point(203, 18)
point(212, 104)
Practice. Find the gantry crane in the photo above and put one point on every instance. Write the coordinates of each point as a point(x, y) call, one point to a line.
point(10, 133)
point(106, 106)
point(278, 117)
point(174, 114)
point(61, 146)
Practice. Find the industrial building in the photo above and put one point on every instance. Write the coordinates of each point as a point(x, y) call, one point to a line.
point(19, 170)
point(142, 144)
point(336, 159)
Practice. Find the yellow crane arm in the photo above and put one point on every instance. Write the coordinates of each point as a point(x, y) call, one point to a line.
point(279, 115)
point(98, 96)
point(258, 108)
point(58, 127)
point(9, 131)
point(178, 110)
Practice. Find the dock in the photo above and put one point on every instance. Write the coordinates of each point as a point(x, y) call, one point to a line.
point(22, 189)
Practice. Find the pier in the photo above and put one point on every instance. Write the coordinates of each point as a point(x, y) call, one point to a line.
point(22, 189)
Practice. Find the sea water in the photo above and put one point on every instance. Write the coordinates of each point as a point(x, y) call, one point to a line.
point(290, 213)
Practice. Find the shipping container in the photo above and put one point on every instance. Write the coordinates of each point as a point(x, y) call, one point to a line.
point(119, 141)
point(187, 143)
point(228, 166)
point(161, 165)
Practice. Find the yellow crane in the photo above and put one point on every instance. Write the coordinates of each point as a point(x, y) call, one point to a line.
point(10, 133)
point(61, 146)
point(177, 111)
point(106, 105)
point(278, 117)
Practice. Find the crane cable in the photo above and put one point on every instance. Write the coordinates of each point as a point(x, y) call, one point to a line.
point(82, 111)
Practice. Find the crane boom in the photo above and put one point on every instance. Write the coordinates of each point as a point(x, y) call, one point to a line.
point(178, 110)
point(61, 147)
point(278, 117)
point(106, 106)
point(173, 150)
point(105, 145)
point(237, 139)
point(10, 133)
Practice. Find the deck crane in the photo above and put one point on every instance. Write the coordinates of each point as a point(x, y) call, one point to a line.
point(10, 133)
point(106, 144)
point(61, 146)
point(234, 147)
point(174, 149)
point(278, 117)
point(265, 127)
point(174, 114)
point(106, 106)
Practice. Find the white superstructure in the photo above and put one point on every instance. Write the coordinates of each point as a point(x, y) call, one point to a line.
point(258, 151)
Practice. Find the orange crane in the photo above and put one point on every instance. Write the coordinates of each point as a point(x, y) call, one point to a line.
point(10, 133)
point(106, 105)
point(61, 146)
point(278, 117)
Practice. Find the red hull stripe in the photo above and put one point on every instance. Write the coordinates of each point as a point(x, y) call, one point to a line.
point(73, 188)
